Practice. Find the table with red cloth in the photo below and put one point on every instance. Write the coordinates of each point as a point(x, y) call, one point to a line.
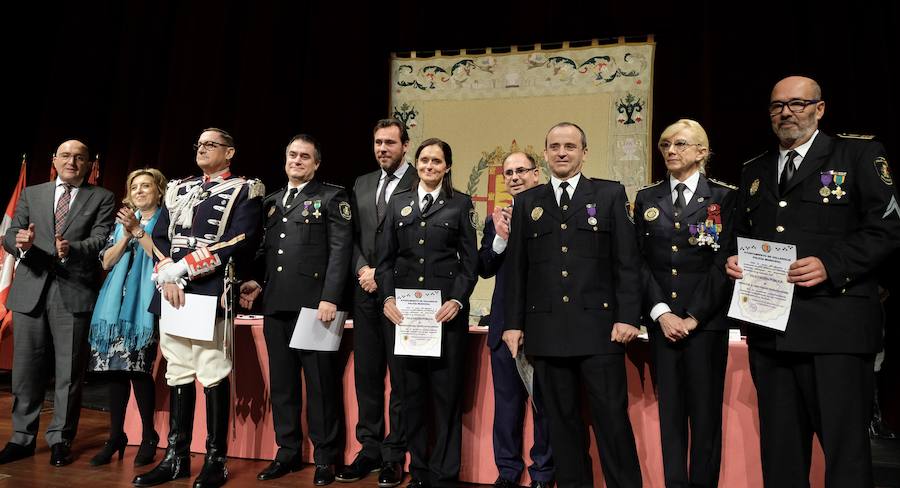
point(253, 435)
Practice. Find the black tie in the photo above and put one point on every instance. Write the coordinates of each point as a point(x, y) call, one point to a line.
point(788, 172)
point(564, 199)
point(679, 201)
point(428, 201)
point(380, 204)
point(290, 199)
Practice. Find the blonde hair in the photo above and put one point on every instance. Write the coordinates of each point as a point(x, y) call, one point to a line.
point(154, 173)
point(698, 134)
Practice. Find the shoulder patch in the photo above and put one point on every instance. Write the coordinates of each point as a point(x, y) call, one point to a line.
point(473, 218)
point(722, 183)
point(847, 135)
point(345, 210)
point(257, 189)
point(883, 170)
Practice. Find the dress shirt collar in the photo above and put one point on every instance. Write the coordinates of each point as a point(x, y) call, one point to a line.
point(801, 150)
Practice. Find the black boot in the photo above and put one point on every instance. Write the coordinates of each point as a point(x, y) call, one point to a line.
point(177, 461)
point(218, 406)
point(878, 429)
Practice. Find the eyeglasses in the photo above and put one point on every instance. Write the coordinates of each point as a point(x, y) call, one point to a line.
point(80, 158)
point(209, 145)
point(796, 105)
point(518, 171)
point(680, 146)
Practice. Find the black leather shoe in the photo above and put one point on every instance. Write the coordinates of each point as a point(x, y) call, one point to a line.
point(391, 475)
point(417, 483)
point(277, 469)
point(324, 475)
point(14, 452)
point(60, 454)
point(505, 483)
point(542, 484)
point(358, 469)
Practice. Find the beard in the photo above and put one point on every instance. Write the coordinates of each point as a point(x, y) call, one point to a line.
point(792, 132)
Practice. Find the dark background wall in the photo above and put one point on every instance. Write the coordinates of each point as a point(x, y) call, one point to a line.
point(138, 80)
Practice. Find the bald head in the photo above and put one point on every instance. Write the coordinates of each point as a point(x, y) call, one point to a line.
point(795, 108)
point(801, 83)
point(71, 161)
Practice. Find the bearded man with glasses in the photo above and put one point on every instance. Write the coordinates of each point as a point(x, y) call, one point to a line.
point(834, 198)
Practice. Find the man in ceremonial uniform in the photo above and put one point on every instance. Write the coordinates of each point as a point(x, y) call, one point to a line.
point(834, 198)
point(303, 262)
point(373, 334)
point(520, 173)
point(573, 299)
point(206, 222)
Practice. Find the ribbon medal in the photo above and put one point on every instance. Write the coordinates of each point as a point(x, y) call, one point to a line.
point(707, 233)
point(317, 205)
point(592, 213)
point(839, 177)
point(306, 205)
point(826, 177)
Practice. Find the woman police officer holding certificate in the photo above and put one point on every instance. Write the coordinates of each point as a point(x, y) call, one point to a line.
point(428, 241)
point(682, 224)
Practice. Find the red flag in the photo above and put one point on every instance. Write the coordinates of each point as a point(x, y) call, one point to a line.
point(8, 261)
point(95, 171)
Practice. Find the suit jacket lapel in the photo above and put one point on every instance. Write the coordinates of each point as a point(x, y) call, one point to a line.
point(583, 195)
point(698, 201)
point(814, 159)
point(548, 202)
point(85, 192)
point(664, 199)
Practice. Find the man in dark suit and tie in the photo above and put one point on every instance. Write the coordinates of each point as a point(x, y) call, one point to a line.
point(57, 232)
point(520, 173)
point(835, 199)
point(373, 334)
point(572, 298)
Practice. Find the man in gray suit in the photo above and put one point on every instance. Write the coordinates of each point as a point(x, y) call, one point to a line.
point(373, 335)
point(57, 232)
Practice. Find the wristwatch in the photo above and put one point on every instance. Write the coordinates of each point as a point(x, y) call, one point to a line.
point(139, 234)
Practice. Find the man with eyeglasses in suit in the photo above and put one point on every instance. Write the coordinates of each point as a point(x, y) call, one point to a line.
point(520, 172)
point(834, 198)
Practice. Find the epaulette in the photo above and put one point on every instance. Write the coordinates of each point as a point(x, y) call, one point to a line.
point(754, 158)
point(602, 179)
point(257, 188)
point(339, 187)
point(865, 137)
point(722, 183)
point(651, 185)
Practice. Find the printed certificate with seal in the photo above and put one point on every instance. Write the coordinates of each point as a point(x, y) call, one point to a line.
point(419, 334)
point(763, 296)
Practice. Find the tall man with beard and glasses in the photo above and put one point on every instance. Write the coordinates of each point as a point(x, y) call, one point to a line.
point(572, 298)
point(834, 198)
point(373, 334)
point(206, 222)
point(303, 262)
point(57, 233)
point(520, 172)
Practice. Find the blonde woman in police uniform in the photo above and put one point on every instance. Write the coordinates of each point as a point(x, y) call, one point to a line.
point(683, 225)
point(428, 242)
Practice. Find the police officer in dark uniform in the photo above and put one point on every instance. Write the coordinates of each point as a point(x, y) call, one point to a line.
point(429, 242)
point(684, 244)
point(206, 221)
point(573, 299)
point(834, 198)
point(304, 261)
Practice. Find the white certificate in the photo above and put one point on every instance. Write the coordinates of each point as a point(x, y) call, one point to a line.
point(312, 334)
point(763, 297)
point(419, 334)
point(196, 319)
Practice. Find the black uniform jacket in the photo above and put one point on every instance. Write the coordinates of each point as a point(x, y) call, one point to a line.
point(852, 235)
point(570, 278)
point(304, 257)
point(434, 251)
point(688, 277)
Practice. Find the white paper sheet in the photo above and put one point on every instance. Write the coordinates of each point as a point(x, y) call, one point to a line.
point(312, 334)
point(419, 334)
point(195, 320)
point(763, 296)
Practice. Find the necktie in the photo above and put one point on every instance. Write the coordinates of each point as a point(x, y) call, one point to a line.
point(428, 201)
point(62, 208)
point(380, 204)
point(564, 199)
point(290, 199)
point(788, 172)
point(679, 201)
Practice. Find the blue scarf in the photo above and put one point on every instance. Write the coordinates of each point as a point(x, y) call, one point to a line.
point(121, 309)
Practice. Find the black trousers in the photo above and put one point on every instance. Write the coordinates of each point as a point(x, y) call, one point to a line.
point(438, 380)
point(690, 381)
point(373, 355)
point(802, 394)
point(603, 378)
point(320, 370)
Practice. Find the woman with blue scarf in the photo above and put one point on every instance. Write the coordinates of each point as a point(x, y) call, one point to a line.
point(123, 333)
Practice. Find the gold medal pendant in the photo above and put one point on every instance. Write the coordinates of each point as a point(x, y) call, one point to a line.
point(825, 191)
